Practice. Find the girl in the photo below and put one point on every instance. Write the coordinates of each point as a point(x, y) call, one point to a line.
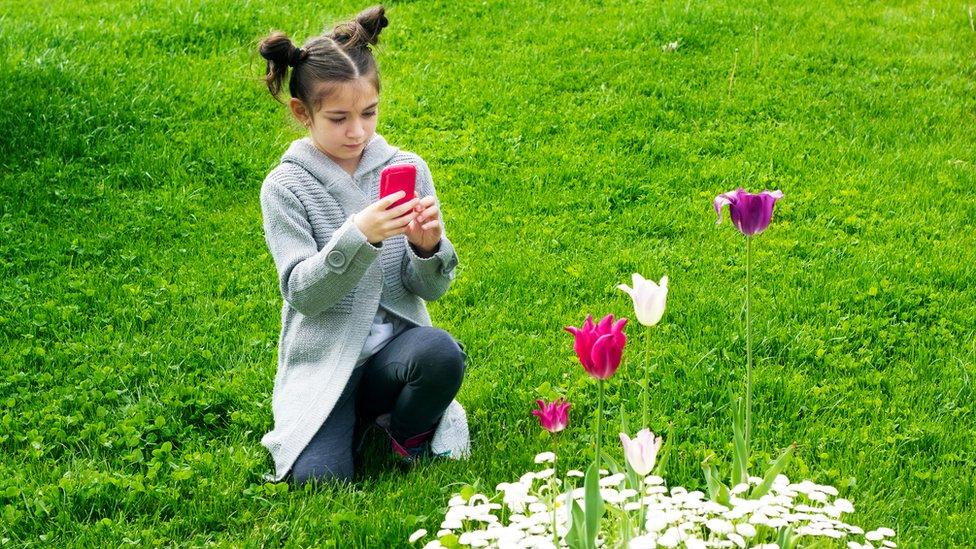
point(356, 345)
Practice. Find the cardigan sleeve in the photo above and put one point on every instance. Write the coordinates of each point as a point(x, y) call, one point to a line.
point(429, 277)
point(311, 280)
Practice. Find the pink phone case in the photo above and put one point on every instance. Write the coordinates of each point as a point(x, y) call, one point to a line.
point(399, 177)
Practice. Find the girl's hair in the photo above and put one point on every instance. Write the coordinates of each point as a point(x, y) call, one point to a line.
point(342, 55)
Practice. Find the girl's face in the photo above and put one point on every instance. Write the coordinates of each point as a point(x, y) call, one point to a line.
point(344, 122)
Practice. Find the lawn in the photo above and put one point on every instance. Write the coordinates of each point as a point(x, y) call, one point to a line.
point(139, 308)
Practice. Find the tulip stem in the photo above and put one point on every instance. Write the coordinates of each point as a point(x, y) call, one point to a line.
point(599, 423)
point(645, 415)
point(748, 428)
point(641, 516)
point(625, 528)
point(555, 496)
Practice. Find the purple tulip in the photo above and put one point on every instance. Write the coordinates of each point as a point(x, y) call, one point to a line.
point(600, 347)
point(751, 213)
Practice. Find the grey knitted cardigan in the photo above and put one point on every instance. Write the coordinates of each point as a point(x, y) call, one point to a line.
point(332, 285)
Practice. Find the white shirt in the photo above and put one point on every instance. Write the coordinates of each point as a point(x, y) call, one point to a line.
point(385, 327)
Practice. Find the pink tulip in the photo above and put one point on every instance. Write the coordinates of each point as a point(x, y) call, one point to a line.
point(642, 451)
point(751, 213)
point(553, 416)
point(601, 346)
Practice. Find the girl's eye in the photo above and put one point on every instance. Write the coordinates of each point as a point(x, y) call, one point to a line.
point(337, 120)
point(369, 114)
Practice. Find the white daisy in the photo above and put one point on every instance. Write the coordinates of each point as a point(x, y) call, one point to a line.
point(417, 535)
point(545, 457)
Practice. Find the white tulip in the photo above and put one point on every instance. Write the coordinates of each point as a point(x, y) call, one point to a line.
point(649, 298)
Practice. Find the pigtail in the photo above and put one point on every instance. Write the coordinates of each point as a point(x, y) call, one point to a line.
point(281, 53)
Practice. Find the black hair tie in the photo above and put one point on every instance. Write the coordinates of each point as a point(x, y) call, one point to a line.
point(296, 56)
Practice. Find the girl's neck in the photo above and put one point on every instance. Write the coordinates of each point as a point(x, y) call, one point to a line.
point(348, 165)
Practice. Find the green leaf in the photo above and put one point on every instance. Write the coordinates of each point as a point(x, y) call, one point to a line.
point(449, 540)
point(740, 453)
point(635, 480)
point(663, 457)
point(711, 477)
point(577, 529)
point(594, 504)
point(724, 496)
point(775, 469)
point(785, 538)
point(717, 490)
point(611, 464)
point(466, 492)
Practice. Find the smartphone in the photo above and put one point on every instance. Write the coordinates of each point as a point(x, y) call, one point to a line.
point(399, 177)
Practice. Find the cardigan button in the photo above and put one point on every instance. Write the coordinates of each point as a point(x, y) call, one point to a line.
point(336, 259)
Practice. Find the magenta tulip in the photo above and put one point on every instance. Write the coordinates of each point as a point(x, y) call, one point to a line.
point(751, 213)
point(553, 416)
point(600, 346)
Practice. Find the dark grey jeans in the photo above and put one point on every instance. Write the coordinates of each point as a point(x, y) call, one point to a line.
point(414, 378)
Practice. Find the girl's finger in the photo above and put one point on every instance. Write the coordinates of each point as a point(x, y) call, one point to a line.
point(431, 225)
point(396, 223)
point(431, 212)
point(402, 208)
point(403, 221)
point(385, 202)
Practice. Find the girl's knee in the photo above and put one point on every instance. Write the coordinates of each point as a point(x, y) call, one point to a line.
point(444, 359)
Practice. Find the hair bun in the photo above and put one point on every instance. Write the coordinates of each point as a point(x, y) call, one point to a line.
point(373, 20)
point(362, 31)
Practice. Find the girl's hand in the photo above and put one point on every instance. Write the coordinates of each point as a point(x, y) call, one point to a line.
point(425, 231)
point(378, 223)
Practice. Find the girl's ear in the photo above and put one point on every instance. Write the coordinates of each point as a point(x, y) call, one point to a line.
point(299, 111)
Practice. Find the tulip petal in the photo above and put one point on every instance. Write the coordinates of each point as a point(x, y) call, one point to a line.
point(630, 291)
point(588, 324)
point(723, 199)
point(582, 344)
point(659, 302)
point(619, 337)
point(624, 439)
point(606, 355)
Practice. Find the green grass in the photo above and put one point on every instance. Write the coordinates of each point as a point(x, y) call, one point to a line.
point(139, 306)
